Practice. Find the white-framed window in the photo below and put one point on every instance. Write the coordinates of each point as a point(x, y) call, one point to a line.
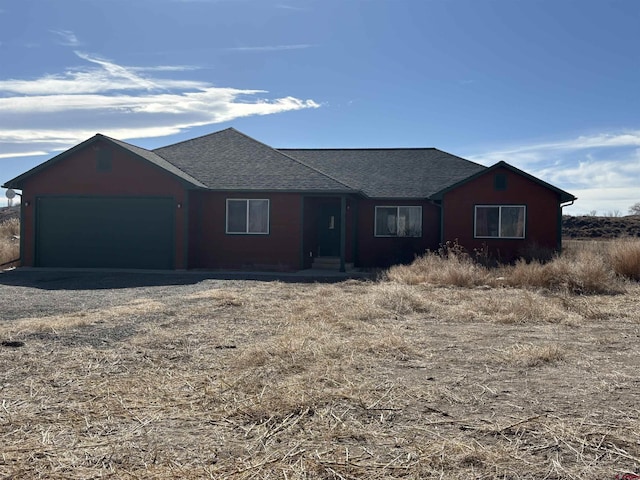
point(398, 221)
point(247, 216)
point(499, 221)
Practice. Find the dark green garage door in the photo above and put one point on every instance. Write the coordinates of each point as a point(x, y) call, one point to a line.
point(109, 232)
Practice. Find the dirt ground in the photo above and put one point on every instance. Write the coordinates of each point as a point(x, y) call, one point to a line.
point(154, 376)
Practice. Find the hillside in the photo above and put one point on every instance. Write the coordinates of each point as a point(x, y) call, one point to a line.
point(600, 227)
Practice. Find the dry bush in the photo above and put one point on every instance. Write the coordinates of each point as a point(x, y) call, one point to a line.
point(454, 269)
point(10, 227)
point(584, 272)
point(529, 355)
point(397, 298)
point(624, 255)
point(9, 244)
point(514, 306)
point(572, 247)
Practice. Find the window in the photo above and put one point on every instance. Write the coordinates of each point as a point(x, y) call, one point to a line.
point(500, 221)
point(247, 216)
point(398, 222)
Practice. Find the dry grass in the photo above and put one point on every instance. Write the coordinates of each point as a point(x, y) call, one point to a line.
point(585, 267)
point(624, 256)
point(454, 269)
point(586, 272)
point(532, 355)
point(9, 245)
point(354, 380)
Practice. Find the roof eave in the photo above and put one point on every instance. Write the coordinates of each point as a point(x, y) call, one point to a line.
point(304, 191)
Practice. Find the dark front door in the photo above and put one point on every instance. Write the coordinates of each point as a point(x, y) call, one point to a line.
point(329, 230)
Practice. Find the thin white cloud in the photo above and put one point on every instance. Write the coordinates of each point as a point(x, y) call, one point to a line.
point(165, 68)
point(270, 48)
point(541, 152)
point(285, 6)
point(54, 112)
point(602, 170)
point(34, 153)
point(66, 37)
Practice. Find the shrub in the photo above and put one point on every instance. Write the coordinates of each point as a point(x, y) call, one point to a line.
point(449, 266)
point(584, 271)
point(9, 245)
point(624, 256)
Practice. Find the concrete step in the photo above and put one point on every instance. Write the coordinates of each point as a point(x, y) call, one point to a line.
point(329, 263)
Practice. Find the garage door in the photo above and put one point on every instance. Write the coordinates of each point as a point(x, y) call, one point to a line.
point(109, 232)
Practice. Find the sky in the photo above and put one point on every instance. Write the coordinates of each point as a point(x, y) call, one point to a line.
point(549, 86)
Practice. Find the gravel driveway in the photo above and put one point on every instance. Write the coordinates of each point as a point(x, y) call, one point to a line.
point(34, 292)
point(31, 293)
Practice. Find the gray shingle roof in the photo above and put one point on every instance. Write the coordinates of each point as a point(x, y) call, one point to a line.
point(231, 160)
point(390, 172)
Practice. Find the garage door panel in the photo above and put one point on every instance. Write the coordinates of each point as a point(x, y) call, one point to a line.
point(116, 232)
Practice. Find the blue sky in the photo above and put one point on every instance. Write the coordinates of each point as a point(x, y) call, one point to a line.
point(550, 86)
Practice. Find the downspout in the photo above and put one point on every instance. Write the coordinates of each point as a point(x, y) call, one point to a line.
point(559, 234)
point(21, 228)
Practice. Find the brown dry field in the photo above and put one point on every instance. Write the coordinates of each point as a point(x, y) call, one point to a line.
point(203, 378)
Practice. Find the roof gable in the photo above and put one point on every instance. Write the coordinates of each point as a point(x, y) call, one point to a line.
point(231, 160)
point(390, 172)
point(564, 196)
point(137, 151)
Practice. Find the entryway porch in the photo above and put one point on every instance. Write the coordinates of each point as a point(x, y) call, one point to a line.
point(329, 230)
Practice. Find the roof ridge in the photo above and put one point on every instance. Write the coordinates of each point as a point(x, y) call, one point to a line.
point(293, 158)
point(196, 138)
point(316, 170)
point(117, 140)
point(462, 158)
point(296, 160)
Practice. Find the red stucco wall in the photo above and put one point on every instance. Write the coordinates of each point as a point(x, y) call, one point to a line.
point(541, 221)
point(210, 247)
point(76, 174)
point(384, 251)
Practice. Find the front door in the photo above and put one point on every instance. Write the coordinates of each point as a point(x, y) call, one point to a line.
point(329, 230)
